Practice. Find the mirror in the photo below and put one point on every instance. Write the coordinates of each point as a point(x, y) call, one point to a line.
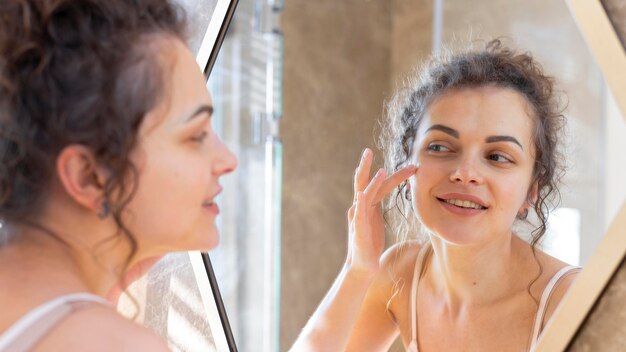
point(343, 59)
point(179, 298)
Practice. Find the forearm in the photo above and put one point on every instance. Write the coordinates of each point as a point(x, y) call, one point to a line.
point(331, 325)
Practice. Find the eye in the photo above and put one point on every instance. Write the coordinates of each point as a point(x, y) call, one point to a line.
point(498, 158)
point(437, 148)
point(200, 137)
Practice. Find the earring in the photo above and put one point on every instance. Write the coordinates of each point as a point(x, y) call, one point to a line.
point(407, 192)
point(523, 215)
point(104, 210)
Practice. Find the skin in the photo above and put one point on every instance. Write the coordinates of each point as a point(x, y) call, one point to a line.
point(473, 143)
point(180, 161)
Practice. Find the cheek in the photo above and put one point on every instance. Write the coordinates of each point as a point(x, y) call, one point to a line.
point(170, 192)
point(510, 199)
point(427, 176)
point(517, 195)
point(422, 185)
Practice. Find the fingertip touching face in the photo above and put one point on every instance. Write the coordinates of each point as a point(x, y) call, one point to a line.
point(476, 154)
point(179, 160)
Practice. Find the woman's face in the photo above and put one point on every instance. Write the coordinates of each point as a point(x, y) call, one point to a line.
point(180, 160)
point(475, 151)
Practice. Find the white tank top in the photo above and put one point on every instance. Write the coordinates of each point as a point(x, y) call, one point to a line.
point(25, 333)
point(539, 316)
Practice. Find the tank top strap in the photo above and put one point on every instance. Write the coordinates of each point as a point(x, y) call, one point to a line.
point(545, 298)
point(24, 334)
point(417, 273)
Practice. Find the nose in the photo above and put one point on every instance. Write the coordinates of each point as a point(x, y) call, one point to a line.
point(466, 171)
point(225, 161)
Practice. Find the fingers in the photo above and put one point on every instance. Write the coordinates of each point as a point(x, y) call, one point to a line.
point(362, 174)
point(374, 186)
point(393, 181)
point(379, 187)
point(364, 197)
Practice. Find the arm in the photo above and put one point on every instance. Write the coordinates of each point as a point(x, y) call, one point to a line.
point(330, 326)
point(356, 287)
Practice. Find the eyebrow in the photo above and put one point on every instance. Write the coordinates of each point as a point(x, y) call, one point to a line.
point(199, 111)
point(491, 139)
point(495, 139)
point(445, 129)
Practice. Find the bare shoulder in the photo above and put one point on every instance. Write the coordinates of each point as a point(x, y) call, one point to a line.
point(551, 267)
point(396, 268)
point(100, 328)
point(399, 259)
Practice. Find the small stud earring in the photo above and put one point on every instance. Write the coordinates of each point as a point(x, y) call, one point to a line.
point(407, 192)
point(523, 215)
point(104, 210)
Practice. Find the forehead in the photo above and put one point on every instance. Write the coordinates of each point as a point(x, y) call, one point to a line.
point(184, 86)
point(482, 110)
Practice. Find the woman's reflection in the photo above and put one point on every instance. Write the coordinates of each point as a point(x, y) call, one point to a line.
point(483, 127)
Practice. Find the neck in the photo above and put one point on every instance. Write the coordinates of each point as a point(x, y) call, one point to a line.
point(62, 263)
point(473, 275)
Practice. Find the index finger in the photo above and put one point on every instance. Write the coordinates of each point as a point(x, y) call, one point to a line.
point(362, 173)
point(394, 180)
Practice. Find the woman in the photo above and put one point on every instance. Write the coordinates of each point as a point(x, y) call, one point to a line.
point(483, 127)
point(108, 162)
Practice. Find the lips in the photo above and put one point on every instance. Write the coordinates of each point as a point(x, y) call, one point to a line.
point(464, 201)
point(210, 201)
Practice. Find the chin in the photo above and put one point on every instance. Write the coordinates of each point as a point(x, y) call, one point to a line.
point(452, 235)
point(456, 239)
point(210, 240)
point(199, 240)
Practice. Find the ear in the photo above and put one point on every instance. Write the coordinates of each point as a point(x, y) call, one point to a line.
point(80, 176)
point(533, 193)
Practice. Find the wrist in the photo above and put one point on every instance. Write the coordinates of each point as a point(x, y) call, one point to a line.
point(360, 274)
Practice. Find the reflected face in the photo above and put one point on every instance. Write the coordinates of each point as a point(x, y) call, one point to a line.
point(475, 151)
point(180, 160)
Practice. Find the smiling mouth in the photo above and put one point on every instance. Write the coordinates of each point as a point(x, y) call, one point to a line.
point(465, 204)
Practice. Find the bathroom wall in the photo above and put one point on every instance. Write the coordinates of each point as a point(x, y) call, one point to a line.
point(337, 64)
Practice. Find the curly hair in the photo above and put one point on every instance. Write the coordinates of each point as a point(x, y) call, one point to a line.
point(76, 72)
point(493, 65)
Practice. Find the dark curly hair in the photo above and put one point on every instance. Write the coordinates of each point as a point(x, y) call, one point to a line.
point(76, 72)
point(493, 65)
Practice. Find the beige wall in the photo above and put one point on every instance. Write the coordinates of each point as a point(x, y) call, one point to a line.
point(336, 72)
point(342, 59)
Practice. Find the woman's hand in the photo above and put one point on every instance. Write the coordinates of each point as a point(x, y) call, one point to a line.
point(366, 240)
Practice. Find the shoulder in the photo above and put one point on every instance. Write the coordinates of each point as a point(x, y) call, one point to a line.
point(101, 328)
point(400, 258)
point(396, 268)
point(558, 289)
